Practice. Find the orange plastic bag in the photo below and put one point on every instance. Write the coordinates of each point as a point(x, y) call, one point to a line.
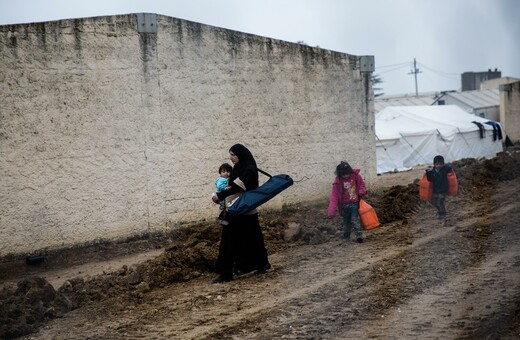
point(453, 185)
point(425, 189)
point(368, 216)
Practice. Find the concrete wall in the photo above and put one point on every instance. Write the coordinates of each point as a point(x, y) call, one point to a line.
point(106, 132)
point(510, 110)
point(495, 83)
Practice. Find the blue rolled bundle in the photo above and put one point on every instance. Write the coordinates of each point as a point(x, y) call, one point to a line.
point(249, 200)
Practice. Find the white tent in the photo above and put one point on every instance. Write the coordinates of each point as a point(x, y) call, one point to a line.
point(410, 135)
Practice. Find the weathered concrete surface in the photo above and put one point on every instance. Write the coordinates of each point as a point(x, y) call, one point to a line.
point(510, 110)
point(107, 133)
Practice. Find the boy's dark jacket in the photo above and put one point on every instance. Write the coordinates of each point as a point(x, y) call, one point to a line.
point(439, 179)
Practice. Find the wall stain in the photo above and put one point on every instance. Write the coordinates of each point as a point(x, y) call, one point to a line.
point(77, 36)
point(13, 43)
point(147, 47)
point(41, 33)
point(194, 31)
point(180, 32)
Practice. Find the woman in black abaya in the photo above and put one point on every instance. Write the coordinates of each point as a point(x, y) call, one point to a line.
point(242, 248)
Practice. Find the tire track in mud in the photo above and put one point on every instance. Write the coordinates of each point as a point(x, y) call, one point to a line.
point(457, 305)
point(437, 261)
point(312, 280)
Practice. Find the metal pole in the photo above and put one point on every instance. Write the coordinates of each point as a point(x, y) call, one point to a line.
point(415, 73)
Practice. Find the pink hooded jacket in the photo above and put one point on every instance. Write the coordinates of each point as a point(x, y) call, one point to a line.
point(336, 195)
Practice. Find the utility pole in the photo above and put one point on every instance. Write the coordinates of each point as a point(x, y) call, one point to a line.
point(414, 72)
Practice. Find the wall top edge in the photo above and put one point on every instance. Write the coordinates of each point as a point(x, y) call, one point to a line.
point(132, 17)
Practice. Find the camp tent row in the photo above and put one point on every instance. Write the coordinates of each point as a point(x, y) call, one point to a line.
point(410, 135)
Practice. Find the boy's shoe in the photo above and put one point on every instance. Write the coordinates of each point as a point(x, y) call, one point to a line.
point(359, 240)
point(345, 242)
point(223, 222)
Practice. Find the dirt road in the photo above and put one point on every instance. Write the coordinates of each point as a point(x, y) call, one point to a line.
point(412, 278)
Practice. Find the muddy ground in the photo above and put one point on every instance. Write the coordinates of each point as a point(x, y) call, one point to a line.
point(413, 277)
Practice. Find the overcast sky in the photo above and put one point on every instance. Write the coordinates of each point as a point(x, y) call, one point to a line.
point(447, 37)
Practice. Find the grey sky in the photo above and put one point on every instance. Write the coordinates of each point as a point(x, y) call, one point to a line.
point(447, 37)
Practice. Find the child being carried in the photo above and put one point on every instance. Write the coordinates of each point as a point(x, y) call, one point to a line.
point(221, 183)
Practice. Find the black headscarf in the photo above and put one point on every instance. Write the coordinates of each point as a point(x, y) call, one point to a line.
point(246, 168)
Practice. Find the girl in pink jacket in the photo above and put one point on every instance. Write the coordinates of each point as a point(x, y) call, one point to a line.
point(347, 189)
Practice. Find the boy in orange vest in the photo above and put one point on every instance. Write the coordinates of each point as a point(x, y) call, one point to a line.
point(438, 176)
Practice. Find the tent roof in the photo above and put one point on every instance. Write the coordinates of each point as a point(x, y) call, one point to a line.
point(405, 100)
point(396, 121)
point(477, 98)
